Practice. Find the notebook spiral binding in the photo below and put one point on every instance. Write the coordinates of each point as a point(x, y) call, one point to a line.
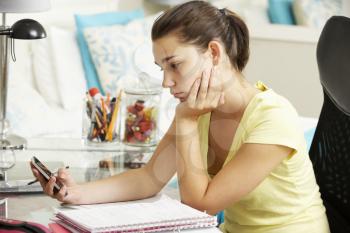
point(175, 226)
point(171, 225)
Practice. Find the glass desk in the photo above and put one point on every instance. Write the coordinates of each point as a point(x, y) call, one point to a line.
point(86, 163)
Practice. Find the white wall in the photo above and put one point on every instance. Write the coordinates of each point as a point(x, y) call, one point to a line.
point(284, 57)
point(346, 8)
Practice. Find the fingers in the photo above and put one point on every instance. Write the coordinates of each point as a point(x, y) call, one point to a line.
point(38, 176)
point(192, 97)
point(203, 89)
point(222, 98)
point(48, 186)
point(211, 95)
point(206, 92)
point(62, 173)
point(218, 100)
point(48, 189)
point(33, 168)
point(214, 91)
point(213, 74)
point(62, 194)
point(64, 177)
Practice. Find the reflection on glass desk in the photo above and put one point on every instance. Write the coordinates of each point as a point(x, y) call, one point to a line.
point(76, 144)
point(85, 164)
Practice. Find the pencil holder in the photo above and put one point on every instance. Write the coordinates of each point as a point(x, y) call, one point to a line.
point(100, 120)
point(139, 119)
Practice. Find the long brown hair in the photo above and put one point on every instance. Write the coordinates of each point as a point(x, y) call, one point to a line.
point(199, 22)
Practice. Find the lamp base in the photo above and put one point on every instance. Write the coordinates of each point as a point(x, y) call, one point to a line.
point(13, 142)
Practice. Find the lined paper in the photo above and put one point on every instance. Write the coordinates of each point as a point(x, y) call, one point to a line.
point(159, 211)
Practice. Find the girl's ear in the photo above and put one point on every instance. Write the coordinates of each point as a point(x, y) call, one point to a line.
point(215, 50)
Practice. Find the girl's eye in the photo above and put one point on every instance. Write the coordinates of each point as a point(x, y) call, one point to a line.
point(174, 66)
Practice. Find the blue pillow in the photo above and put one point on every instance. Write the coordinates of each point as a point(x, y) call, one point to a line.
point(220, 217)
point(173, 184)
point(281, 12)
point(101, 19)
point(309, 135)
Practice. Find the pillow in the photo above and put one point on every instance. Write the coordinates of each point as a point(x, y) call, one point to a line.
point(315, 13)
point(43, 71)
point(69, 72)
point(309, 135)
point(86, 21)
point(280, 12)
point(256, 15)
point(308, 125)
point(30, 116)
point(112, 49)
point(57, 69)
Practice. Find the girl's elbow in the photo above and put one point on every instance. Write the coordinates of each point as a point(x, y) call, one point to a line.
point(201, 206)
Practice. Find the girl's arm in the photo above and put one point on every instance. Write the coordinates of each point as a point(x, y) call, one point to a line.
point(130, 185)
point(136, 183)
point(251, 164)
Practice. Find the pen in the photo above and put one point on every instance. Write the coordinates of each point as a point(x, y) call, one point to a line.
point(109, 135)
point(36, 180)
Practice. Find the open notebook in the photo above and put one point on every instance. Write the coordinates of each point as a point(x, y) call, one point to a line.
point(160, 213)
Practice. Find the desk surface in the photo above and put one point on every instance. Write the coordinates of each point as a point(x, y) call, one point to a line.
point(85, 165)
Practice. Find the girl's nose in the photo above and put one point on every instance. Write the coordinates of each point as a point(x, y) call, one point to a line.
point(167, 81)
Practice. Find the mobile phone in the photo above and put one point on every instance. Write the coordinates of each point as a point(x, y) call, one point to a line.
point(46, 173)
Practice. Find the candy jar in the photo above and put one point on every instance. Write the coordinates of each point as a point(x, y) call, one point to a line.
point(140, 109)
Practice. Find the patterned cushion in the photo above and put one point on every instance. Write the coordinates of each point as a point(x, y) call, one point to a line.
point(112, 49)
point(315, 13)
point(101, 19)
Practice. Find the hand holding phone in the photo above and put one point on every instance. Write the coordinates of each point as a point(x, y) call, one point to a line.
point(46, 173)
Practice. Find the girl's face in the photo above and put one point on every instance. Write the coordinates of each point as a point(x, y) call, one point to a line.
point(181, 63)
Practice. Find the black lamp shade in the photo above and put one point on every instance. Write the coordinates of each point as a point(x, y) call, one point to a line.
point(27, 29)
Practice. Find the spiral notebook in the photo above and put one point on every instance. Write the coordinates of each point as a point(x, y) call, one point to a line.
point(160, 213)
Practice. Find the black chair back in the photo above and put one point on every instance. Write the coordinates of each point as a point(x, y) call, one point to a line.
point(330, 148)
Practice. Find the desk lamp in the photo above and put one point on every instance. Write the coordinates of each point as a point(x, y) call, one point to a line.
point(25, 29)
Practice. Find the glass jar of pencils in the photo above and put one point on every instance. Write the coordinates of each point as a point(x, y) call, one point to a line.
point(139, 119)
point(100, 118)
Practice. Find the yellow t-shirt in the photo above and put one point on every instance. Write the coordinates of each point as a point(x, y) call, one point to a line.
point(288, 199)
